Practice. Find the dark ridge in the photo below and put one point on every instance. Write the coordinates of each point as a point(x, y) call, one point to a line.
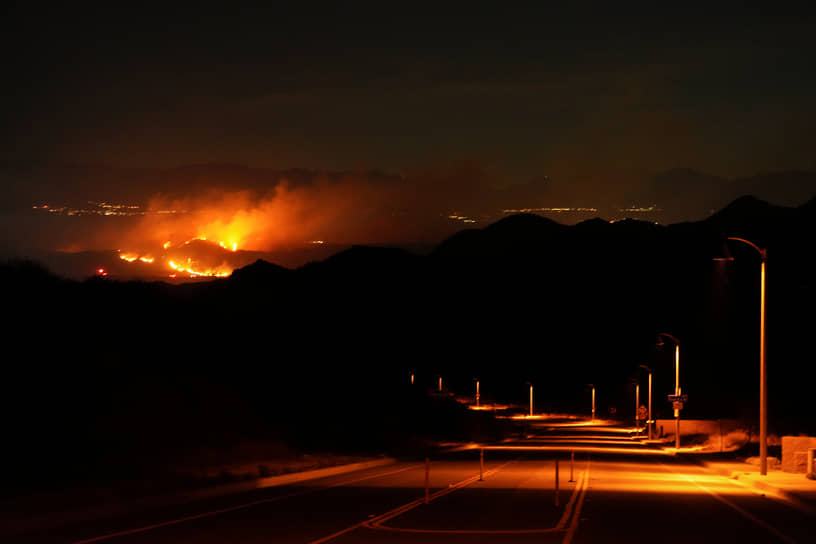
point(591, 224)
point(809, 206)
point(16, 271)
point(260, 270)
point(513, 235)
point(748, 215)
point(362, 259)
point(521, 222)
point(458, 244)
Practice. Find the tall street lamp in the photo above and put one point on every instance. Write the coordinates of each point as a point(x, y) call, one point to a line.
point(593, 400)
point(677, 404)
point(763, 377)
point(649, 421)
point(531, 398)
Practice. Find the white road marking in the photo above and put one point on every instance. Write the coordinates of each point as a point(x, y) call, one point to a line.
point(739, 509)
point(577, 515)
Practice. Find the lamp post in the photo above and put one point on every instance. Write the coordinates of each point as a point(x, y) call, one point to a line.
point(763, 376)
point(531, 399)
point(637, 405)
point(649, 421)
point(477, 392)
point(676, 383)
point(593, 401)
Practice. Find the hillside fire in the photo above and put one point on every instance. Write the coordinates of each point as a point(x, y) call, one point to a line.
point(195, 258)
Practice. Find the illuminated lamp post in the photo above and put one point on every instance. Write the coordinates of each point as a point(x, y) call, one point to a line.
point(593, 401)
point(649, 421)
point(531, 400)
point(763, 376)
point(676, 382)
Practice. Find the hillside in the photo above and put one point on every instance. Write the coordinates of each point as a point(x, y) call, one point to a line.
point(104, 364)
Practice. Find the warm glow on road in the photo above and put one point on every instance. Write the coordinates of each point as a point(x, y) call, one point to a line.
point(584, 449)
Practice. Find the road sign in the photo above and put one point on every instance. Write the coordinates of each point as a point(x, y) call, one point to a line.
point(678, 398)
point(677, 405)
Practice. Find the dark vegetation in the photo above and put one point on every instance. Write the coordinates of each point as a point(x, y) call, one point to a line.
point(104, 378)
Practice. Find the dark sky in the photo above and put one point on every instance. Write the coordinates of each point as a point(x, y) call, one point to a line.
point(594, 96)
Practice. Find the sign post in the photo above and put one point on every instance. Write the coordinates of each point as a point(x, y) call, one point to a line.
point(677, 403)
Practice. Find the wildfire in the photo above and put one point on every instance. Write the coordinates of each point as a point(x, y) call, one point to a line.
point(197, 273)
point(130, 257)
point(189, 258)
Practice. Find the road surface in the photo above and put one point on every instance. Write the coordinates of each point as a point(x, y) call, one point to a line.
point(615, 496)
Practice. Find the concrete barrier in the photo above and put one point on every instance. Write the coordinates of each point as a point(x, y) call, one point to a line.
point(795, 453)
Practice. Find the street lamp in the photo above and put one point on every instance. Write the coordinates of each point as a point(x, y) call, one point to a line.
point(531, 398)
point(649, 421)
point(477, 391)
point(763, 377)
point(677, 403)
point(593, 401)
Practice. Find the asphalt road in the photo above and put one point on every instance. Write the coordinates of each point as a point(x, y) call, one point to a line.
point(613, 499)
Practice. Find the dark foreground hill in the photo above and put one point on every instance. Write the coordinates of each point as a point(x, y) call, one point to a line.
point(321, 355)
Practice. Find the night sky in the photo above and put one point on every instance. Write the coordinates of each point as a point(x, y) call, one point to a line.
point(592, 99)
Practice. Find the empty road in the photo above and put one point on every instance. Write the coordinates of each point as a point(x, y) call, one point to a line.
point(615, 496)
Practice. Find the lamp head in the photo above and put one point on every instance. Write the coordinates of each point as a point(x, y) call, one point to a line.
point(724, 253)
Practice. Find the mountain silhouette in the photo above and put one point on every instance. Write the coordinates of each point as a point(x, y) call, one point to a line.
point(687, 195)
point(275, 352)
point(260, 271)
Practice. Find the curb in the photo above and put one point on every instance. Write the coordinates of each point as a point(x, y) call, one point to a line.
point(50, 520)
point(757, 485)
point(283, 479)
